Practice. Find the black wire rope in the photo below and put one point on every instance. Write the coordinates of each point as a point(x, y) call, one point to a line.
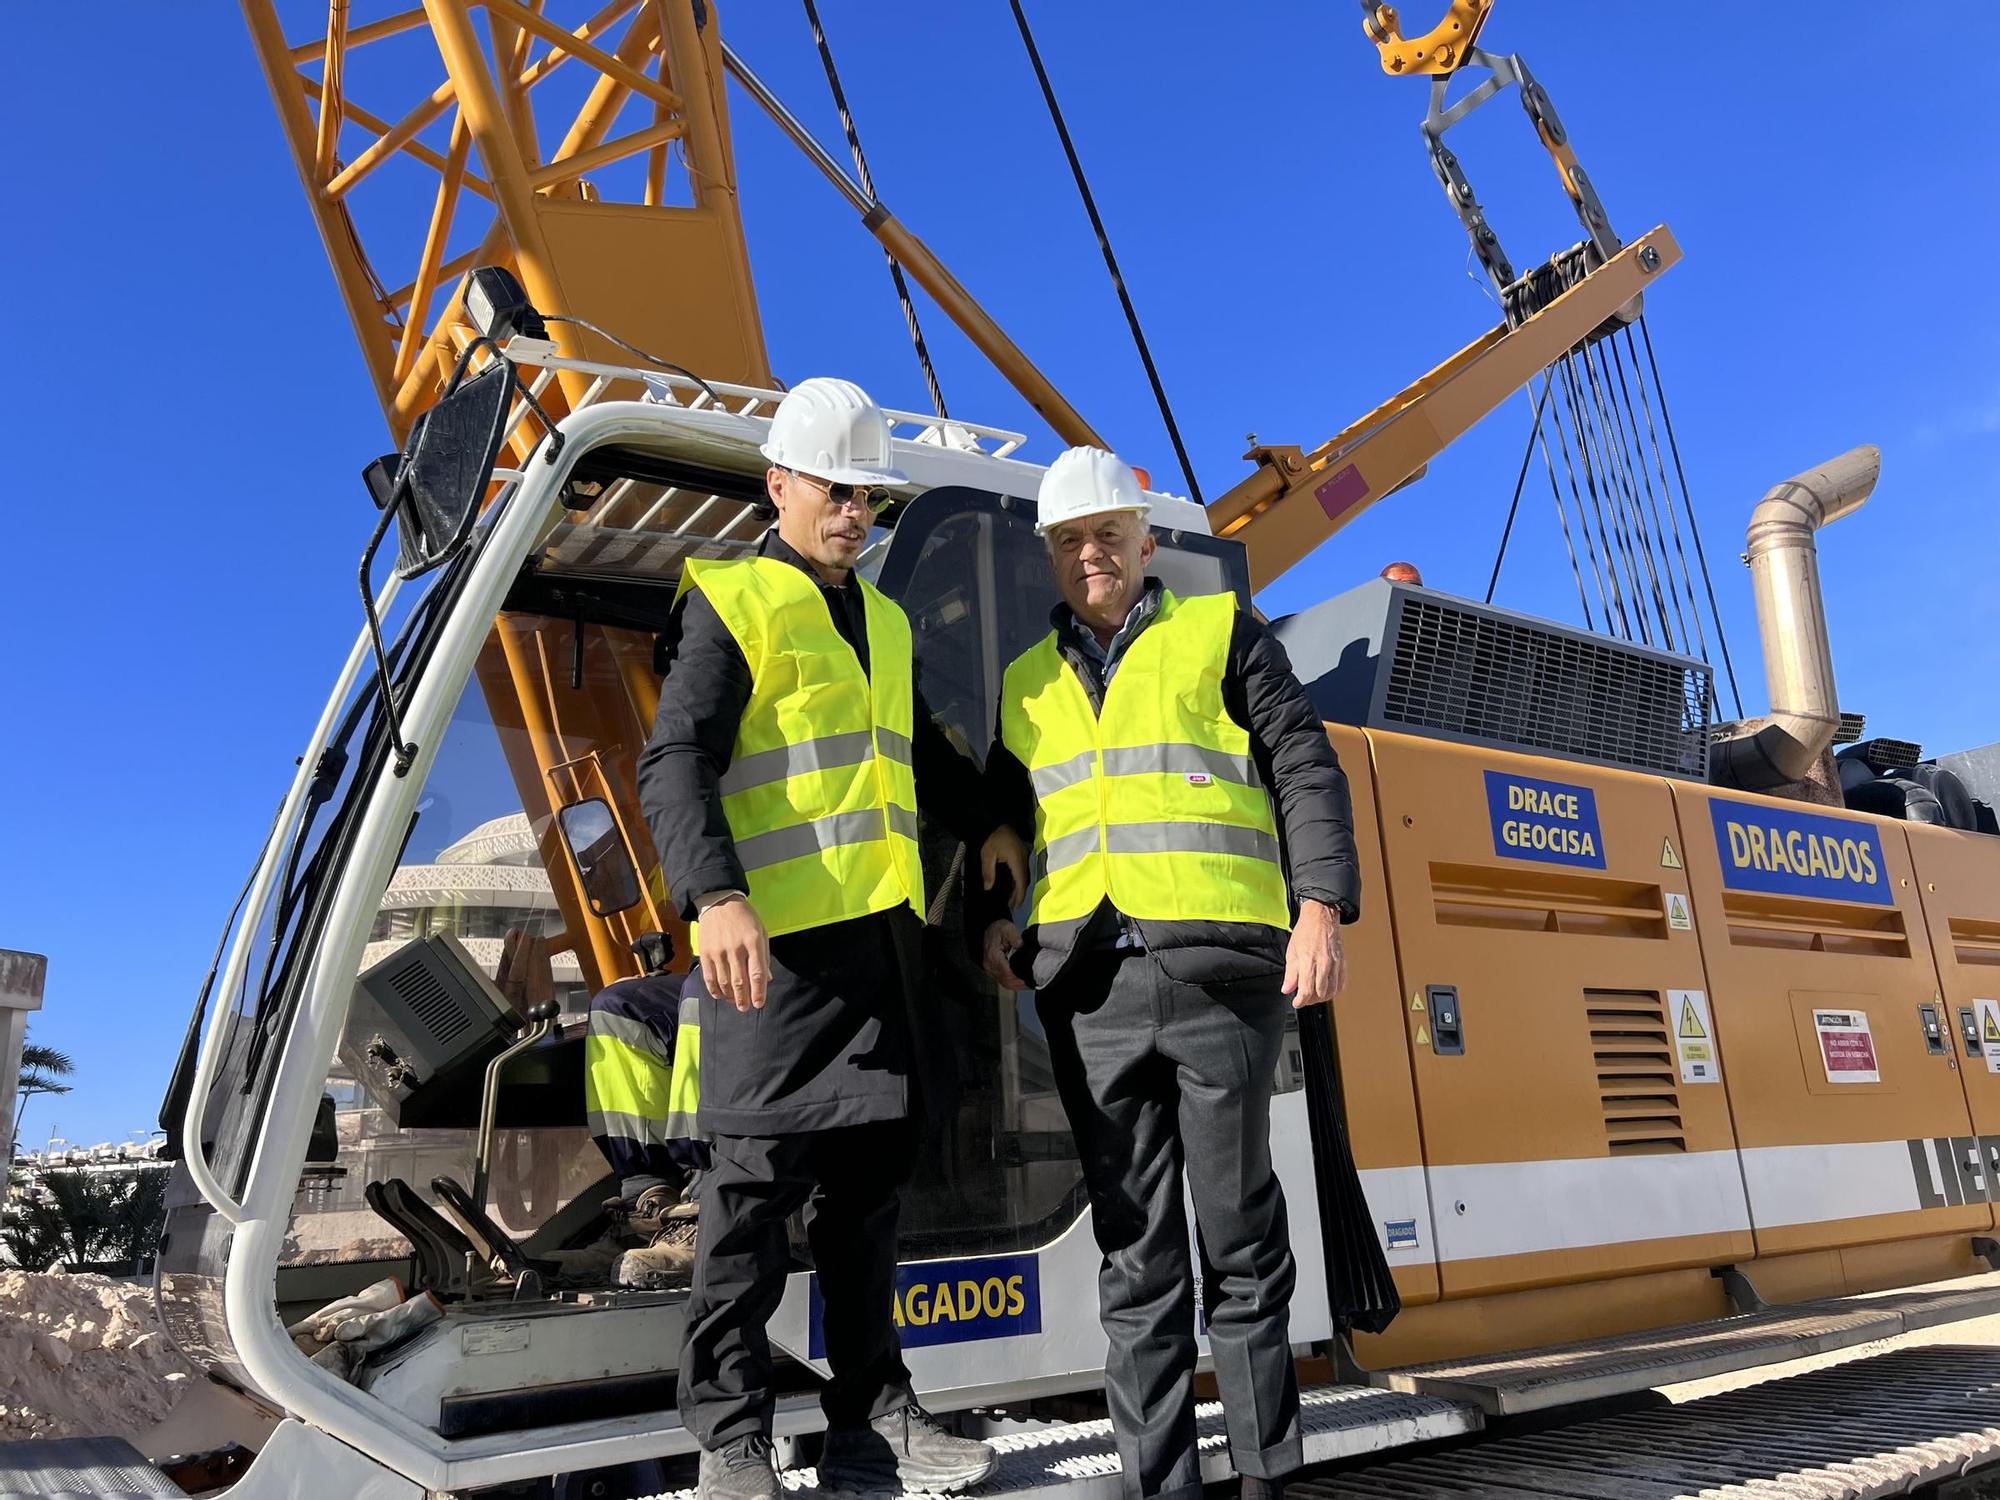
point(1562, 517)
point(1605, 527)
point(1599, 572)
point(1598, 462)
point(868, 187)
point(1687, 503)
point(1611, 425)
point(1527, 456)
point(1672, 523)
point(1104, 244)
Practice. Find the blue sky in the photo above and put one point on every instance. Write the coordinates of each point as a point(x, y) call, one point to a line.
point(191, 410)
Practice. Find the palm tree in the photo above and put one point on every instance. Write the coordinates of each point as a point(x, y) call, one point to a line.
point(83, 1218)
point(42, 1072)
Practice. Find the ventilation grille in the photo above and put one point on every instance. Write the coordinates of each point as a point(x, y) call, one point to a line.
point(429, 1001)
point(1632, 1046)
point(1885, 755)
point(1504, 681)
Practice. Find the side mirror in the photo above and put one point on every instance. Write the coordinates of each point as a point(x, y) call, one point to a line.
point(610, 882)
point(440, 477)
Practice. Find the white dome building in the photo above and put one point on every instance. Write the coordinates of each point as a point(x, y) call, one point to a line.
point(480, 888)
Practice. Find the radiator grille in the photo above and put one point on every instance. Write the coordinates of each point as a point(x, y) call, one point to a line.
point(1632, 1046)
point(429, 1001)
point(1504, 681)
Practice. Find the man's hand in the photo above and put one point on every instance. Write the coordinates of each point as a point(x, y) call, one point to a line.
point(1004, 847)
point(1002, 939)
point(1315, 966)
point(735, 952)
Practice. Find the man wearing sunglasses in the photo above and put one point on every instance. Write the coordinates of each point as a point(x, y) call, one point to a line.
point(788, 761)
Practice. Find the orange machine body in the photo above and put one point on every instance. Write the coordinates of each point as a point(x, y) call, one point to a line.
point(1651, 1029)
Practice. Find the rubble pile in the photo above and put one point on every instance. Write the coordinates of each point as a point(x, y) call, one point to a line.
point(81, 1355)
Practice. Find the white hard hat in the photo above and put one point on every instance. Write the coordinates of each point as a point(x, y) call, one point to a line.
point(832, 429)
point(1087, 482)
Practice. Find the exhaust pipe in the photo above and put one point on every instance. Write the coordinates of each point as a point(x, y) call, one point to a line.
point(1784, 747)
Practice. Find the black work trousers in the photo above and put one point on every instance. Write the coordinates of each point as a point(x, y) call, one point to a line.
point(849, 1181)
point(1161, 1077)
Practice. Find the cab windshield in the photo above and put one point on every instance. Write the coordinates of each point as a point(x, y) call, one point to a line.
point(555, 714)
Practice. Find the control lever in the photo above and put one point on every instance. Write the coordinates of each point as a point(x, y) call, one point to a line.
point(540, 1018)
point(441, 1251)
point(489, 1242)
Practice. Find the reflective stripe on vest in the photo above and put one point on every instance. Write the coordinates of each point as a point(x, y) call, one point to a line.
point(820, 794)
point(1156, 801)
point(684, 1095)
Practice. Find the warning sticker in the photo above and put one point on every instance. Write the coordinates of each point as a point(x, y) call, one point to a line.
point(1989, 1032)
point(1677, 912)
point(1846, 1046)
point(1416, 1002)
point(1423, 1036)
point(1694, 1036)
point(1668, 859)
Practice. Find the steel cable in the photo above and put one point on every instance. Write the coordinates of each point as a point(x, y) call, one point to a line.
point(1104, 244)
point(1527, 456)
point(1612, 436)
point(1598, 571)
point(1605, 528)
point(868, 187)
point(1562, 518)
point(1687, 503)
point(1598, 463)
point(1673, 525)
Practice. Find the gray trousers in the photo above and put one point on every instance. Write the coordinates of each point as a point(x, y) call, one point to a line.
point(1161, 1077)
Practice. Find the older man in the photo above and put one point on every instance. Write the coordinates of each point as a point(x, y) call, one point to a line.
point(1166, 761)
point(781, 784)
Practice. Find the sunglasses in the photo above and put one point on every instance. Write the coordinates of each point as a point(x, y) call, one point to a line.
point(871, 497)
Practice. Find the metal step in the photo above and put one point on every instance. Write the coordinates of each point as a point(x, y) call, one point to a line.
point(1081, 1461)
point(1871, 1427)
point(98, 1468)
point(1591, 1369)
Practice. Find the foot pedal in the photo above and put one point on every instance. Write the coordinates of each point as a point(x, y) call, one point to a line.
point(490, 1242)
point(441, 1251)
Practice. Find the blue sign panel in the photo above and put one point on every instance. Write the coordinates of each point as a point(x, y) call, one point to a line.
point(1785, 852)
point(1401, 1233)
point(1551, 821)
point(955, 1302)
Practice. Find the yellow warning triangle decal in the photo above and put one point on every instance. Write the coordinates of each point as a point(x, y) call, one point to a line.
point(1691, 1028)
point(1416, 1002)
point(1423, 1036)
point(1992, 1027)
point(1668, 859)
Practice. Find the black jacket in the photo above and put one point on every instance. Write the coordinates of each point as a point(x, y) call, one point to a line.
point(832, 1045)
point(1308, 794)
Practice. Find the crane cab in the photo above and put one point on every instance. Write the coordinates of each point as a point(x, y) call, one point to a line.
point(335, 1114)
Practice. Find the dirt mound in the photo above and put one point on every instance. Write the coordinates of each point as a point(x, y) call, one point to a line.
point(81, 1355)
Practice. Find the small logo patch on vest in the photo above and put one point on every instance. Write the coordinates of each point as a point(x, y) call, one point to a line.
point(1199, 778)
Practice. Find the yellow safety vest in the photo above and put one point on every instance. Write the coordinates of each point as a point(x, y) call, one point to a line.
point(1155, 801)
point(820, 796)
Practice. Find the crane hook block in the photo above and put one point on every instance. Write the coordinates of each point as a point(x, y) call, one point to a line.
point(1439, 51)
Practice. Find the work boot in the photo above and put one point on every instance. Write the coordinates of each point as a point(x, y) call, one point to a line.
point(641, 1216)
point(741, 1470)
point(907, 1448)
point(668, 1259)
